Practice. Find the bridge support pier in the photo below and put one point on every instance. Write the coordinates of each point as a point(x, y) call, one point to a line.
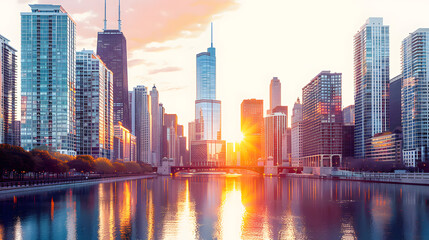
point(165, 168)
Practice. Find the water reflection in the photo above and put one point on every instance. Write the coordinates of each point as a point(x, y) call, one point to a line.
point(205, 207)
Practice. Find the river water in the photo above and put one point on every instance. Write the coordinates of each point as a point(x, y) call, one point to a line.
point(219, 207)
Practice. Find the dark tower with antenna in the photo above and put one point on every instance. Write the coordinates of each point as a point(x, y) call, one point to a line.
point(112, 49)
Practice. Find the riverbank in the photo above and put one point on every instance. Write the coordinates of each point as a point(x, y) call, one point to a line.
point(393, 178)
point(61, 185)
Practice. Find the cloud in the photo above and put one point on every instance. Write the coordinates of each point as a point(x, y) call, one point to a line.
point(144, 22)
point(164, 69)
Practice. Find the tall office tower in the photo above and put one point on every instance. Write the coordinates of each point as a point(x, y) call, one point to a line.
point(124, 144)
point(349, 114)
point(161, 119)
point(252, 128)
point(296, 138)
point(395, 113)
point(275, 94)
point(322, 121)
point(94, 106)
point(48, 69)
point(170, 137)
point(112, 49)
point(9, 85)
point(208, 148)
point(275, 128)
point(142, 123)
point(371, 77)
point(156, 127)
point(415, 94)
point(1, 104)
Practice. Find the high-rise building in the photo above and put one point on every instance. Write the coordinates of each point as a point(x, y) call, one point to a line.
point(124, 144)
point(252, 128)
point(156, 127)
point(349, 115)
point(141, 118)
point(48, 59)
point(395, 113)
point(385, 149)
point(94, 106)
point(9, 85)
point(415, 95)
point(322, 121)
point(296, 138)
point(112, 49)
point(275, 128)
point(275, 93)
point(170, 138)
point(371, 78)
point(211, 150)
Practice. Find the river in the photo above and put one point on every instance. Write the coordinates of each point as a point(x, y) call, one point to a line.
point(219, 207)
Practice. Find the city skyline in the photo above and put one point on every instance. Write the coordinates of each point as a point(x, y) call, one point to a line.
point(90, 17)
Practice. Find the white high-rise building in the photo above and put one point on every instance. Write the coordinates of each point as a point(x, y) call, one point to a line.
point(297, 134)
point(142, 123)
point(275, 93)
point(156, 127)
point(371, 78)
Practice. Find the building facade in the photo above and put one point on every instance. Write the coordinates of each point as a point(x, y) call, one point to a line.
point(124, 144)
point(349, 115)
point(386, 148)
point(371, 79)
point(170, 143)
point(395, 113)
point(275, 93)
point(252, 128)
point(415, 97)
point(296, 132)
point(94, 106)
point(275, 128)
point(8, 67)
point(48, 59)
point(322, 121)
point(156, 127)
point(141, 118)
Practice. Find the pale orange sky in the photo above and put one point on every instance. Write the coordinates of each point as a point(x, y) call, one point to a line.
point(255, 40)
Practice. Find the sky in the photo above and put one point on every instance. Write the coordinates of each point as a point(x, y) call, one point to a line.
point(255, 41)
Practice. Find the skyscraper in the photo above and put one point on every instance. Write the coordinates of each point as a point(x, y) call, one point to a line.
point(395, 113)
point(252, 128)
point(275, 128)
point(349, 115)
point(156, 127)
point(275, 93)
point(112, 49)
point(415, 94)
point(170, 144)
point(371, 77)
point(142, 123)
point(8, 69)
point(94, 106)
point(322, 121)
point(296, 137)
point(208, 148)
point(48, 79)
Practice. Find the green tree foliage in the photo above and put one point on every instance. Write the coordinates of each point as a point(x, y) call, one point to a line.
point(103, 165)
point(83, 163)
point(47, 163)
point(15, 158)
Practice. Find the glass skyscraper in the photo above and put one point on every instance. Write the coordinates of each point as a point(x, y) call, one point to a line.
point(8, 85)
point(371, 78)
point(415, 97)
point(207, 149)
point(48, 58)
point(94, 106)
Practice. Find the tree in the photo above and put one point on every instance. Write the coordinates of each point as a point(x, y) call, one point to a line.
point(47, 163)
point(15, 158)
point(132, 167)
point(62, 157)
point(82, 163)
point(103, 165)
point(119, 167)
point(146, 167)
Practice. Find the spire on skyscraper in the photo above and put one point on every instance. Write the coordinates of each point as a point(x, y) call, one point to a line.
point(119, 16)
point(105, 20)
point(211, 34)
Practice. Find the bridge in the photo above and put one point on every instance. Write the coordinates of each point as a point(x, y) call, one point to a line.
point(257, 169)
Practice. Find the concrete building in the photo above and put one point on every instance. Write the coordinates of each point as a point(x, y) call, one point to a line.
point(9, 125)
point(94, 106)
point(322, 121)
point(141, 121)
point(124, 144)
point(371, 77)
point(252, 128)
point(296, 132)
point(275, 94)
point(48, 68)
point(170, 138)
point(275, 126)
point(156, 127)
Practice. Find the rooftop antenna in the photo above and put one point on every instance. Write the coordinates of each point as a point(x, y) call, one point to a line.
point(105, 20)
point(212, 34)
point(119, 19)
